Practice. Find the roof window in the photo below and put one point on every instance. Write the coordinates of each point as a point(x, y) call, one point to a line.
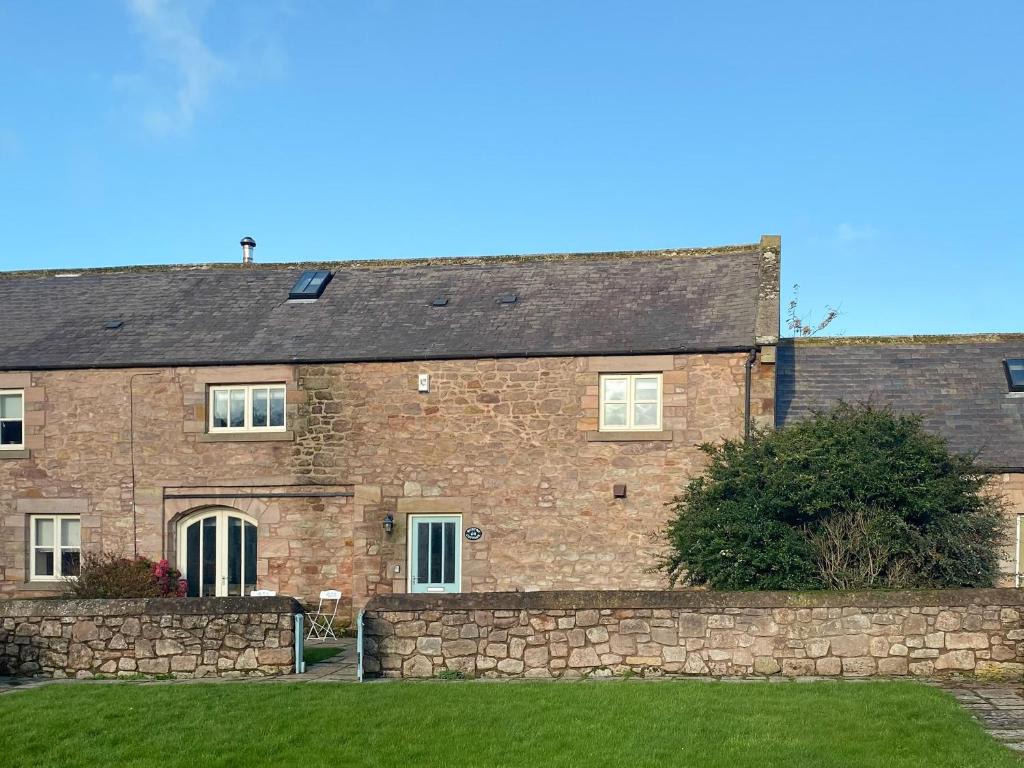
point(1015, 374)
point(440, 301)
point(310, 284)
point(508, 298)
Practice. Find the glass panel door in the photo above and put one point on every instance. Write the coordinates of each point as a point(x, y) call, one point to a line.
point(435, 556)
point(217, 552)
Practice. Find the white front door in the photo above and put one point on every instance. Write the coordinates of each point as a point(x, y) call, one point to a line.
point(217, 553)
point(435, 553)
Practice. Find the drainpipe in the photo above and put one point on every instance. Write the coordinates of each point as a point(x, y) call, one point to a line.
point(751, 357)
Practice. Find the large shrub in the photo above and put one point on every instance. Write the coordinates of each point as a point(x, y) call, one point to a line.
point(117, 576)
point(856, 497)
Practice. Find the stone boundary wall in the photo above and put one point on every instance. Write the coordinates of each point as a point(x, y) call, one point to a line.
point(186, 637)
point(601, 634)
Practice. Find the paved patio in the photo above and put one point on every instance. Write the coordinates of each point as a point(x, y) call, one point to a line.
point(998, 707)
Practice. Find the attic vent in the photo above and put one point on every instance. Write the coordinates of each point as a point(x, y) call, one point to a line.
point(440, 301)
point(508, 298)
point(1015, 374)
point(310, 285)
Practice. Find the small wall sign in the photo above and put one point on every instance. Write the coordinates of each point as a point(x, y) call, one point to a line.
point(474, 534)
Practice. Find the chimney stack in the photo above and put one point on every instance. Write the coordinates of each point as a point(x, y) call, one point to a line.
point(247, 244)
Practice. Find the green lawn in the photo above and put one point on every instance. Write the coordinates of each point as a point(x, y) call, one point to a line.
point(620, 723)
point(315, 654)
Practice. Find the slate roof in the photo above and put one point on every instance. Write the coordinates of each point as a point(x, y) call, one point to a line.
point(957, 384)
point(568, 304)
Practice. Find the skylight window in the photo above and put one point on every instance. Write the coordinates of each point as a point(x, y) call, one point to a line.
point(508, 298)
point(310, 284)
point(1015, 374)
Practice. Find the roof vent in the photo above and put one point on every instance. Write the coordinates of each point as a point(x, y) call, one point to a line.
point(508, 298)
point(247, 244)
point(440, 301)
point(1015, 374)
point(310, 284)
point(113, 325)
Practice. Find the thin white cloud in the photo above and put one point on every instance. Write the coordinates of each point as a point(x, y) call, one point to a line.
point(184, 68)
point(851, 233)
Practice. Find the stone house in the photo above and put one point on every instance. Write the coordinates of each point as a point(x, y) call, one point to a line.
point(431, 425)
point(969, 389)
point(494, 424)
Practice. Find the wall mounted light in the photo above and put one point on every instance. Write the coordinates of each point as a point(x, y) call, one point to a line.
point(389, 523)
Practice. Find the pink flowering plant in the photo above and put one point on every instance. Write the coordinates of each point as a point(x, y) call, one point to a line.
point(105, 575)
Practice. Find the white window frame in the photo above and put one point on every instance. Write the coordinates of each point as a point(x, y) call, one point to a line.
point(1018, 576)
point(58, 547)
point(410, 565)
point(247, 427)
point(16, 446)
point(629, 378)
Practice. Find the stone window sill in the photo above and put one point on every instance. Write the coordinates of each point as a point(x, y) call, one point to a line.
point(19, 454)
point(246, 437)
point(42, 586)
point(629, 437)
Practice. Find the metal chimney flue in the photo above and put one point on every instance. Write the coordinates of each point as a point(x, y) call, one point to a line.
point(247, 244)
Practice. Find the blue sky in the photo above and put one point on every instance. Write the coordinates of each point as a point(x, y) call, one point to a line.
point(883, 141)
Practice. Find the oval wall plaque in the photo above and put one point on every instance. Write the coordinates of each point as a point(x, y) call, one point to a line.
point(474, 534)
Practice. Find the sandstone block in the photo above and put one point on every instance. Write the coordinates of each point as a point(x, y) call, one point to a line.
point(50, 629)
point(156, 666)
point(583, 657)
point(947, 621)
point(766, 665)
point(691, 625)
point(798, 667)
point(600, 634)
point(817, 647)
point(892, 666)
point(962, 659)
point(695, 665)
point(587, 618)
point(275, 656)
point(83, 631)
point(188, 663)
point(829, 666)
point(858, 666)
point(850, 645)
point(511, 666)
point(173, 647)
point(961, 640)
point(417, 666)
point(633, 627)
point(430, 645)
point(624, 645)
point(452, 648)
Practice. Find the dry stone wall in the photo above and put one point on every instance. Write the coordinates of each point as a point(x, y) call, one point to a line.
point(200, 637)
point(601, 634)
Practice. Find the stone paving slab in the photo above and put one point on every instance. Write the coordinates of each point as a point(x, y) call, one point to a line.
point(999, 709)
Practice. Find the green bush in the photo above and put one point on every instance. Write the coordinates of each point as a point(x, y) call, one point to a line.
point(855, 497)
point(116, 576)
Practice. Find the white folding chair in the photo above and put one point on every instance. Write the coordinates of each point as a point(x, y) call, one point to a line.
point(263, 593)
point(321, 623)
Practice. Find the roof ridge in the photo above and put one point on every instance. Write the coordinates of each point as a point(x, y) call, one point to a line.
point(667, 253)
point(949, 338)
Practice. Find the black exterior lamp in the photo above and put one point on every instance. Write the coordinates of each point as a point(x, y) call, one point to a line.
point(389, 523)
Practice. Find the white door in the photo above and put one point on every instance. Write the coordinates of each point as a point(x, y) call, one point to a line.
point(217, 553)
point(435, 553)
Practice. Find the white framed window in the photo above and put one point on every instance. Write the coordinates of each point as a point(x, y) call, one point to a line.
point(630, 401)
point(12, 419)
point(247, 408)
point(55, 547)
point(1019, 575)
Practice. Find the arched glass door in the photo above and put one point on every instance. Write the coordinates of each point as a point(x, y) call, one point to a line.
point(217, 553)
